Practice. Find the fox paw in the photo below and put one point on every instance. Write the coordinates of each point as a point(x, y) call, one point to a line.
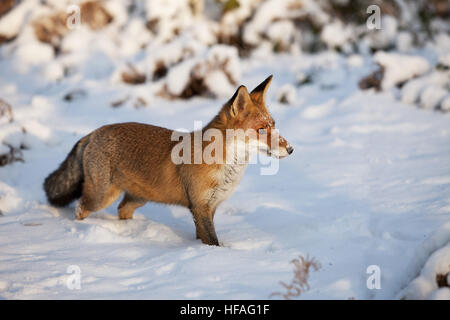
point(79, 213)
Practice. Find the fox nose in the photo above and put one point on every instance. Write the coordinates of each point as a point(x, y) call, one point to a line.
point(290, 149)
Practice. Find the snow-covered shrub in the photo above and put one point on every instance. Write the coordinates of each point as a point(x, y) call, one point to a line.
point(166, 18)
point(398, 68)
point(9, 154)
point(434, 279)
point(53, 27)
point(74, 95)
point(445, 104)
point(232, 22)
point(132, 75)
point(160, 58)
point(267, 13)
point(431, 90)
point(220, 70)
point(53, 71)
point(180, 81)
point(6, 114)
point(35, 53)
point(336, 34)
point(419, 83)
point(134, 37)
point(215, 74)
point(431, 97)
point(386, 37)
point(5, 6)
point(411, 90)
point(95, 15)
point(444, 62)
point(166, 42)
point(373, 80)
point(272, 24)
point(287, 94)
point(306, 25)
point(13, 18)
point(404, 41)
point(282, 25)
point(11, 136)
point(282, 35)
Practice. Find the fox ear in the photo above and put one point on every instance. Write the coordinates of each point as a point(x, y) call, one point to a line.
point(239, 101)
point(259, 93)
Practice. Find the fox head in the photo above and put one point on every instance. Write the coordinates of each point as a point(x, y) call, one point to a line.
point(249, 111)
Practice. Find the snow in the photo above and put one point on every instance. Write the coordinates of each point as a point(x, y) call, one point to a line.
point(179, 76)
point(387, 35)
point(411, 90)
point(445, 60)
point(35, 53)
point(429, 91)
point(368, 182)
point(134, 38)
point(431, 97)
point(169, 15)
point(445, 105)
point(287, 94)
point(4, 149)
point(281, 32)
point(355, 60)
point(219, 67)
point(400, 67)
point(12, 22)
point(425, 285)
point(404, 41)
point(355, 192)
point(267, 11)
point(53, 71)
point(336, 34)
point(218, 82)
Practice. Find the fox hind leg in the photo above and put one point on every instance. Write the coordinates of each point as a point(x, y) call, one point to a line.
point(128, 205)
point(95, 199)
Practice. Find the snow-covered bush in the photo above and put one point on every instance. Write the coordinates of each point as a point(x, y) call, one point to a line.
point(216, 74)
point(11, 136)
point(287, 94)
point(418, 82)
point(431, 97)
point(399, 68)
point(51, 28)
point(167, 42)
point(434, 279)
point(430, 91)
point(287, 25)
point(132, 76)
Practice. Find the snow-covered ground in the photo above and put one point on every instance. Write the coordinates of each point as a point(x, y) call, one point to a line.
point(368, 183)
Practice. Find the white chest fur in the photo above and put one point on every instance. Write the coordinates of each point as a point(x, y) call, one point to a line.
point(227, 179)
point(230, 173)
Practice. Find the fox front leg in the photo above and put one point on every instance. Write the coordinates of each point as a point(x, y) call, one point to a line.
point(204, 225)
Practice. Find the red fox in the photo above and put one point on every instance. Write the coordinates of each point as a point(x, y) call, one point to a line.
point(135, 159)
